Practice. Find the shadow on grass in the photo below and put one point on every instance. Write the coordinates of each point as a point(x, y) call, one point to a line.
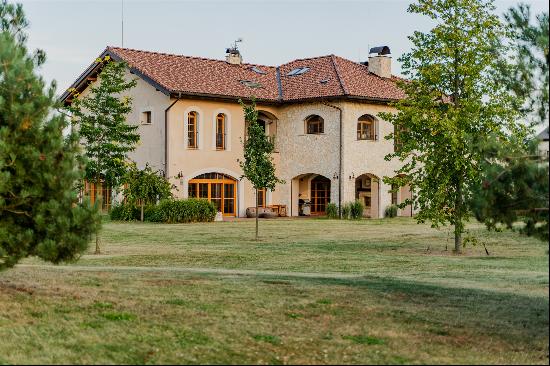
point(516, 318)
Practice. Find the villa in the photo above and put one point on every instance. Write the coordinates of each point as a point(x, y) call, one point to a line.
point(322, 113)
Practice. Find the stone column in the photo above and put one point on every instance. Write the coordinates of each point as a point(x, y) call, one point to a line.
point(385, 198)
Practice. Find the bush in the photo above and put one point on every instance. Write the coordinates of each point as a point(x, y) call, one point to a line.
point(179, 211)
point(391, 211)
point(124, 212)
point(346, 210)
point(356, 210)
point(332, 211)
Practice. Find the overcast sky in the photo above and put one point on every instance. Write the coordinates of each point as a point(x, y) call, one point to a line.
point(73, 33)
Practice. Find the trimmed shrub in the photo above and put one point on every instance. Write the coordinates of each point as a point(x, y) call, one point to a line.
point(332, 211)
point(391, 211)
point(346, 210)
point(356, 210)
point(180, 211)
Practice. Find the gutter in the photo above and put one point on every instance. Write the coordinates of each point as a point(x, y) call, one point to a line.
point(340, 162)
point(166, 136)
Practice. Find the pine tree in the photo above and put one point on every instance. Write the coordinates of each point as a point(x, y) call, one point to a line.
point(453, 101)
point(100, 118)
point(258, 165)
point(514, 187)
point(39, 210)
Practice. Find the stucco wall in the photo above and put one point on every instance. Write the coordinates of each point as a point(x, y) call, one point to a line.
point(298, 153)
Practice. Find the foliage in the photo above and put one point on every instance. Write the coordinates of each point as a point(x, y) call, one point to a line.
point(528, 74)
point(391, 211)
point(182, 211)
point(168, 210)
point(257, 165)
point(346, 211)
point(145, 187)
point(514, 187)
point(356, 210)
point(453, 101)
point(101, 120)
point(332, 211)
point(39, 210)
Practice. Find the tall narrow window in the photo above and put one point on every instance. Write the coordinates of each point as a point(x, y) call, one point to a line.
point(192, 130)
point(220, 132)
point(315, 125)
point(366, 128)
point(146, 117)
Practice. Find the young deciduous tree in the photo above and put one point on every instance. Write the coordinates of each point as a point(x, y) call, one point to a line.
point(39, 210)
point(144, 186)
point(452, 102)
point(105, 134)
point(258, 165)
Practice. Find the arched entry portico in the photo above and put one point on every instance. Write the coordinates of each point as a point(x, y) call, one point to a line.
point(367, 191)
point(310, 194)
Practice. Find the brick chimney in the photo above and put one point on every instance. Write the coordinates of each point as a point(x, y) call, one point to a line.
point(380, 64)
point(234, 58)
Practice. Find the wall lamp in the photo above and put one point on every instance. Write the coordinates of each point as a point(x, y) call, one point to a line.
point(352, 176)
point(335, 176)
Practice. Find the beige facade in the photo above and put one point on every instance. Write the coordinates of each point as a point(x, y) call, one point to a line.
point(301, 158)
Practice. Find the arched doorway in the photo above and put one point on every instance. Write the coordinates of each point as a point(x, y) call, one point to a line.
point(320, 195)
point(218, 188)
point(367, 192)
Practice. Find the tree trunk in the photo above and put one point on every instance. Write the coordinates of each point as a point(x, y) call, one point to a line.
point(141, 210)
point(458, 219)
point(256, 214)
point(100, 198)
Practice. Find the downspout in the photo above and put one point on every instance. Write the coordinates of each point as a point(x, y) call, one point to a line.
point(166, 136)
point(340, 162)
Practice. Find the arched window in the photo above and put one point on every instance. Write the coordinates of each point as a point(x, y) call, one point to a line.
point(192, 130)
point(366, 127)
point(218, 188)
point(315, 125)
point(220, 132)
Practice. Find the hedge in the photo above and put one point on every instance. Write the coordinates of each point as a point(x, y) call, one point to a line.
point(168, 211)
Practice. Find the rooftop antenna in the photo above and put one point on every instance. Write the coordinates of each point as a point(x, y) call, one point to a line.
point(235, 48)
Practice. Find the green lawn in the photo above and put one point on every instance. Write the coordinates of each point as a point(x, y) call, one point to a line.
point(311, 291)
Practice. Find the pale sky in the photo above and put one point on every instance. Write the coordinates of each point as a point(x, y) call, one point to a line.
point(73, 33)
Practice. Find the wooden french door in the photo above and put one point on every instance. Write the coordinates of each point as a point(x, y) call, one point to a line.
point(320, 195)
point(219, 189)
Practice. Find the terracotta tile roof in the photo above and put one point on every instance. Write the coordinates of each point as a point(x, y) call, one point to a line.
point(200, 75)
point(360, 82)
point(326, 76)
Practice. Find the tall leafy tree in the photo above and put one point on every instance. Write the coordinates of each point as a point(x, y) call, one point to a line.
point(145, 186)
point(100, 117)
point(453, 101)
point(257, 165)
point(39, 210)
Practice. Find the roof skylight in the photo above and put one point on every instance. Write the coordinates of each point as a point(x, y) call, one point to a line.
point(298, 71)
point(257, 70)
